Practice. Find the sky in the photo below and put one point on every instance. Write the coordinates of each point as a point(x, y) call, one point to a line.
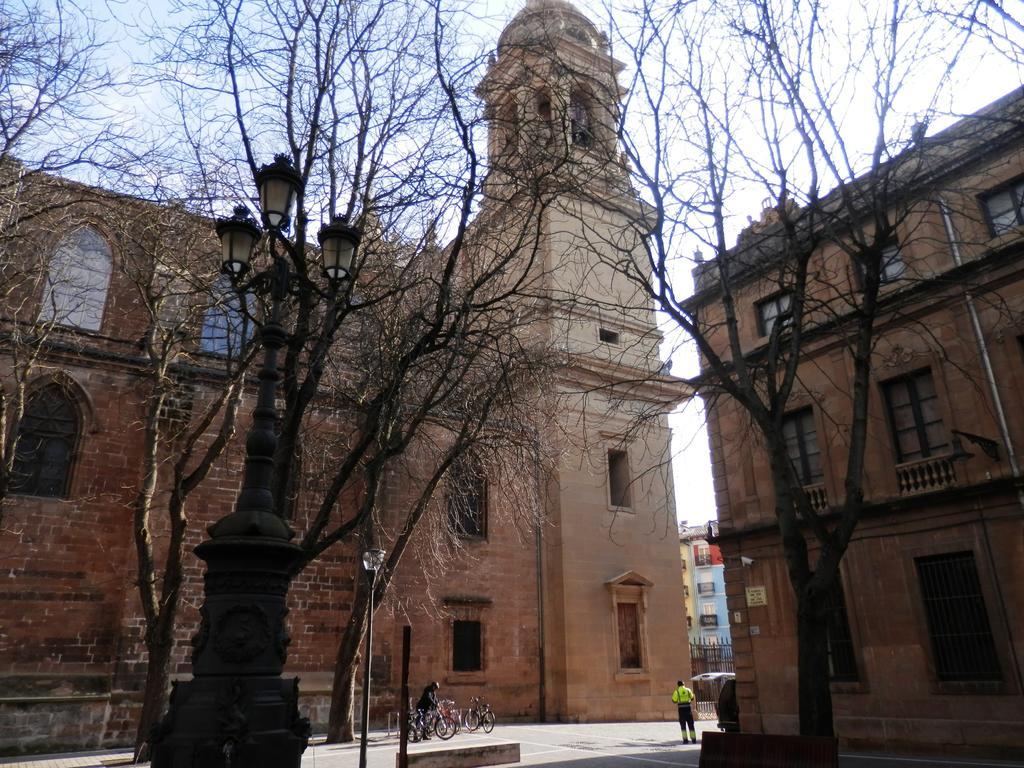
point(982, 79)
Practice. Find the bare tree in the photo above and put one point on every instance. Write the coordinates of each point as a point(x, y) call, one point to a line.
point(196, 351)
point(425, 344)
point(745, 101)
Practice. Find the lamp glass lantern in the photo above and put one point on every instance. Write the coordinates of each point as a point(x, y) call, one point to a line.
point(338, 243)
point(279, 185)
point(373, 559)
point(238, 236)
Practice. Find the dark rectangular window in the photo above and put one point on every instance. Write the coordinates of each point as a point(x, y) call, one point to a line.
point(618, 479)
point(608, 336)
point(773, 310)
point(958, 627)
point(467, 499)
point(467, 652)
point(842, 662)
point(913, 409)
point(1004, 208)
point(802, 445)
point(629, 636)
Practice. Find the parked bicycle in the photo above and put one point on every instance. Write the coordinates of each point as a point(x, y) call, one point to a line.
point(479, 715)
point(444, 722)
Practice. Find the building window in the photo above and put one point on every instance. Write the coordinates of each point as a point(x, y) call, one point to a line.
point(708, 615)
point(618, 479)
point(46, 443)
point(705, 588)
point(226, 326)
point(958, 626)
point(913, 408)
point(581, 130)
point(842, 662)
point(630, 656)
point(802, 445)
point(77, 281)
point(702, 554)
point(608, 336)
point(467, 646)
point(893, 266)
point(1005, 208)
point(467, 498)
point(773, 310)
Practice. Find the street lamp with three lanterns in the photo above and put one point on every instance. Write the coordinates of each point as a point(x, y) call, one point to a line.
point(237, 710)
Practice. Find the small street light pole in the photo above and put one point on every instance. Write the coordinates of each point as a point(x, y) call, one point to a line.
point(373, 559)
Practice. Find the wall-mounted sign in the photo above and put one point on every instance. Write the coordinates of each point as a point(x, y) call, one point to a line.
point(755, 630)
point(756, 596)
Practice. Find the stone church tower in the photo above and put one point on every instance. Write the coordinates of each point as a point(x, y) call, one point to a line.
point(612, 624)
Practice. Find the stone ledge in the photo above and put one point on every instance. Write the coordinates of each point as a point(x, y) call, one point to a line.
point(70, 699)
point(468, 756)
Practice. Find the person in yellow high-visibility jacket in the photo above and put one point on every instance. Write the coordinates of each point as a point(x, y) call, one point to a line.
point(683, 697)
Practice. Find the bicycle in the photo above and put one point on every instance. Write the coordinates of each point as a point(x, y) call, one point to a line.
point(479, 715)
point(446, 723)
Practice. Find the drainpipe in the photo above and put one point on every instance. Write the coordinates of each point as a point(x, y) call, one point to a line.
point(986, 361)
point(539, 545)
point(1004, 429)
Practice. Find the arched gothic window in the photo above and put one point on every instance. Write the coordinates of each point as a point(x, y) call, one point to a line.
point(77, 281)
point(226, 328)
point(467, 498)
point(581, 129)
point(46, 444)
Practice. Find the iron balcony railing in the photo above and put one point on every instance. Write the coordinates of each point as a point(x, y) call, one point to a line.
point(702, 559)
point(706, 588)
point(709, 620)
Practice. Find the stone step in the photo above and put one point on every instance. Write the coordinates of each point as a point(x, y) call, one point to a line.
point(464, 756)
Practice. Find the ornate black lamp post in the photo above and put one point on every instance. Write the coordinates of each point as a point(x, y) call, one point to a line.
point(237, 710)
point(373, 559)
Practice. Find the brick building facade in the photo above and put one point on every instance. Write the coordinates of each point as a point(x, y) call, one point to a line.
point(927, 640)
point(577, 618)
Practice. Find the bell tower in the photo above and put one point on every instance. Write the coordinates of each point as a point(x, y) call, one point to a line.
point(558, 194)
point(552, 101)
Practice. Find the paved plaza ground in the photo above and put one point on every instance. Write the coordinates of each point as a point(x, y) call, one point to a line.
point(591, 745)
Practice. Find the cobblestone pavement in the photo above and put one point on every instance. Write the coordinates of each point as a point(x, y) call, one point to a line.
point(591, 745)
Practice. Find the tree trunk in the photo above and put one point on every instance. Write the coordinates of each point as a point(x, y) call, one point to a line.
point(339, 721)
point(815, 695)
point(154, 697)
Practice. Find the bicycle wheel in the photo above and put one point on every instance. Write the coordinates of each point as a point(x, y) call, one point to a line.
point(414, 728)
point(444, 728)
point(471, 719)
point(487, 721)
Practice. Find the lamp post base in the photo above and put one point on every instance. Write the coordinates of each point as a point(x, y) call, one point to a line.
point(237, 710)
point(218, 723)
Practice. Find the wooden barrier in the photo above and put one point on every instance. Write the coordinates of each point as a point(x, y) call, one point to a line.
point(468, 756)
point(758, 750)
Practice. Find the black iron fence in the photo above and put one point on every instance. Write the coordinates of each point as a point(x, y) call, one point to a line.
point(708, 658)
